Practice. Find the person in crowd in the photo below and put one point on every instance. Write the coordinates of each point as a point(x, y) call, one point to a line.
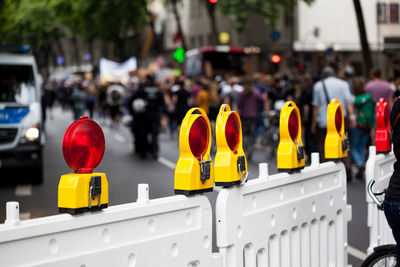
point(305, 105)
point(360, 134)
point(379, 88)
point(214, 100)
point(248, 107)
point(203, 99)
point(115, 98)
point(181, 99)
point(328, 88)
point(78, 101)
point(391, 204)
point(154, 105)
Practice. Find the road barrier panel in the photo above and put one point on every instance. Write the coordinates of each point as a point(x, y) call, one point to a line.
point(379, 167)
point(171, 231)
point(290, 155)
point(286, 219)
point(230, 164)
point(336, 142)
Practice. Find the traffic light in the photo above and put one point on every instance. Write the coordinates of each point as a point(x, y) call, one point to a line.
point(230, 164)
point(382, 136)
point(276, 58)
point(179, 54)
point(213, 1)
point(194, 172)
point(83, 149)
point(290, 149)
point(336, 142)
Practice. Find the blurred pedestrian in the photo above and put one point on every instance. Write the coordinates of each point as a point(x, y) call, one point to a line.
point(181, 99)
point(328, 88)
point(248, 107)
point(305, 105)
point(379, 88)
point(115, 98)
point(203, 98)
point(78, 101)
point(360, 134)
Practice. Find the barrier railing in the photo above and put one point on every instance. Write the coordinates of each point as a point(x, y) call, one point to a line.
point(172, 231)
point(379, 167)
point(286, 220)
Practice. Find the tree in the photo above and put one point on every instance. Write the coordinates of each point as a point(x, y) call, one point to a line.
point(240, 10)
point(173, 4)
point(363, 38)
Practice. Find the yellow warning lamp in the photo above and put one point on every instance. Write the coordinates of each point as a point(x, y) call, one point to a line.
point(336, 142)
point(230, 164)
point(194, 171)
point(83, 148)
point(290, 149)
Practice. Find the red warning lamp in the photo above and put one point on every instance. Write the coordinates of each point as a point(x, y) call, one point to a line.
point(276, 58)
point(382, 137)
point(198, 137)
point(232, 132)
point(293, 125)
point(338, 121)
point(213, 1)
point(83, 145)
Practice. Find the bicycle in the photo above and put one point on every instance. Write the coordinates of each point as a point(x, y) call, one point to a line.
point(384, 255)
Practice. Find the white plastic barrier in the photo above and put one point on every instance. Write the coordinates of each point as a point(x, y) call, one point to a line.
point(379, 167)
point(279, 220)
point(286, 220)
point(172, 231)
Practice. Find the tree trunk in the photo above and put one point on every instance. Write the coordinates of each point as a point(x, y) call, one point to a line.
point(178, 23)
point(213, 21)
point(75, 55)
point(363, 38)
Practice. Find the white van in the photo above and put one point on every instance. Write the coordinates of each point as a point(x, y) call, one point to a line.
point(21, 134)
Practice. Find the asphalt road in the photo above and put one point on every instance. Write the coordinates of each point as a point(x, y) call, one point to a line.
point(125, 171)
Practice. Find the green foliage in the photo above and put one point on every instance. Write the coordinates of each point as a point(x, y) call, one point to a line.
point(240, 10)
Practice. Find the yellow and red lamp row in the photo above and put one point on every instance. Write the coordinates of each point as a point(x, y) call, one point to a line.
point(84, 144)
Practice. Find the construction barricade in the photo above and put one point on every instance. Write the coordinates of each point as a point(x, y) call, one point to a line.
point(379, 167)
point(294, 218)
point(171, 231)
point(286, 219)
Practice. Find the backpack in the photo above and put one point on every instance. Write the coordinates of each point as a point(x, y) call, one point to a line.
point(365, 110)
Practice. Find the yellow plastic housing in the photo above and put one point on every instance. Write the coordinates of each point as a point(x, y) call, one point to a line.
point(187, 179)
point(290, 155)
point(334, 140)
point(73, 193)
point(226, 160)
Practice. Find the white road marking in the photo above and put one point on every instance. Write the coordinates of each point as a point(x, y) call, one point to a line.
point(119, 138)
point(24, 216)
point(167, 163)
point(356, 253)
point(23, 190)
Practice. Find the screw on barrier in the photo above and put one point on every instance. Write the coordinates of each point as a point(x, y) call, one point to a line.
point(230, 164)
point(83, 148)
point(336, 142)
point(263, 170)
point(143, 194)
point(382, 133)
point(12, 213)
point(194, 172)
point(290, 155)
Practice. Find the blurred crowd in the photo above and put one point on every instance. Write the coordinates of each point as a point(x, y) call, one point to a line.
point(149, 105)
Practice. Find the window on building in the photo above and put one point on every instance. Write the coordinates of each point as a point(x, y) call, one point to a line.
point(394, 13)
point(381, 13)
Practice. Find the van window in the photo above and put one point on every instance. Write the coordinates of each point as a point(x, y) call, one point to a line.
point(17, 84)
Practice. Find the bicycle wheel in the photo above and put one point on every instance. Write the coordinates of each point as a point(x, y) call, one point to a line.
point(385, 255)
